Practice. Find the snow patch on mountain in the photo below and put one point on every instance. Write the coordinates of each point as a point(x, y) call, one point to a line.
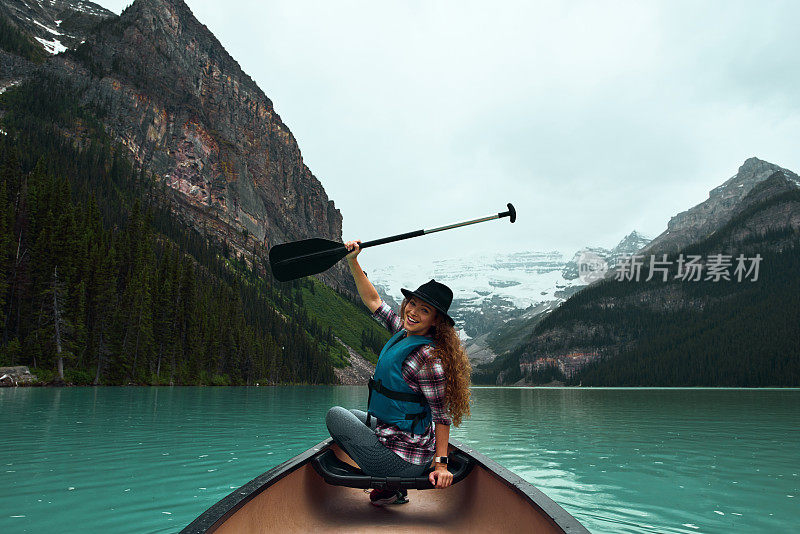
point(90, 8)
point(54, 47)
point(51, 30)
point(521, 278)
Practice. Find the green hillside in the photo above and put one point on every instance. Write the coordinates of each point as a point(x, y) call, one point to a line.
point(746, 335)
point(349, 321)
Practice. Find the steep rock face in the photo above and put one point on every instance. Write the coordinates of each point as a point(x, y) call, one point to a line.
point(171, 93)
point(783, 211)
point(702, 220)
point(13, 69)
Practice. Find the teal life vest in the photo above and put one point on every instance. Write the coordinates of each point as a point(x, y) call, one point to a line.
point(391, 399)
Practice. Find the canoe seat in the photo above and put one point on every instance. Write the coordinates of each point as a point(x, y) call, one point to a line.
point(339, 473)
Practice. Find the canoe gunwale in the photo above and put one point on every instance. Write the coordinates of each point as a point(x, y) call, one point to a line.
point(560, 517)
point(216, 515)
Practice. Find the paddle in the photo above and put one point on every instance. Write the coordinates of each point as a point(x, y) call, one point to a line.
point(297, 259)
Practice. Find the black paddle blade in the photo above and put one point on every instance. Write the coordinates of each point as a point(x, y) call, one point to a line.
point(290, 261)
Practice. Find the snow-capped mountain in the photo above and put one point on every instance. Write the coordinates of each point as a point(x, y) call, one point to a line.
point(490, 289)
point(629, 245)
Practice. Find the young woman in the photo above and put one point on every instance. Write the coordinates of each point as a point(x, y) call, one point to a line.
point(420, 388)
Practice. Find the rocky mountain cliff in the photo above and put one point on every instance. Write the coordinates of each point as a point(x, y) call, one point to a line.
point(166, 89)
point(705, 218)
point(653, 324)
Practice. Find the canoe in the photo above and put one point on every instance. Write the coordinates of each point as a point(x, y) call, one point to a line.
point(295, 497)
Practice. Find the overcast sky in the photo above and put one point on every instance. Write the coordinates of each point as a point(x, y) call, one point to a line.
point(593, 118)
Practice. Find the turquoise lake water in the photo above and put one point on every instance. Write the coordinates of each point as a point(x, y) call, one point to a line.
point(620, 460)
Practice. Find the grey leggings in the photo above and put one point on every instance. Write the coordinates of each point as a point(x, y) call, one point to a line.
point(349, 430)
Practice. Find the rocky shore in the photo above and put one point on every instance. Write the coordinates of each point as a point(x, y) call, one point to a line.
point(16, 376)
point(359, 371)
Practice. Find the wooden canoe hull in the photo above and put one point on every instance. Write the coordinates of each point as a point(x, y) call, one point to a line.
point(292, 497)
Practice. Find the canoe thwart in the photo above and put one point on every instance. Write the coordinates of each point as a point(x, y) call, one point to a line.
point(338, 473)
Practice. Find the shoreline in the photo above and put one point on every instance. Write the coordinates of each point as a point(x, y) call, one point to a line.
point(21, 376)
point(300, 384)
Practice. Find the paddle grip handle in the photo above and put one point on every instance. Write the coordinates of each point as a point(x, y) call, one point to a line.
point(511, 213)
point(392, 239)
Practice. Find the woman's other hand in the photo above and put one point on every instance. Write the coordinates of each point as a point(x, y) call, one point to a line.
point(354, 247)
point(441, 477)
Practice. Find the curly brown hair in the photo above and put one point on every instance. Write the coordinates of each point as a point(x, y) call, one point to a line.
point(457, 369)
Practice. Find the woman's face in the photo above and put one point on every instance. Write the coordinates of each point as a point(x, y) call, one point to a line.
point(419, 317)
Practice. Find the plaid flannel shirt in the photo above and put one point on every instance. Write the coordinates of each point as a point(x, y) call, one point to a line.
point(424, 374)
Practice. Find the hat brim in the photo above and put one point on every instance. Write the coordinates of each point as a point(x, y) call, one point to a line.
point(408, 294)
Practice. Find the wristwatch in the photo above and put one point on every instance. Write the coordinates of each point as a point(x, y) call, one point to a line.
point(441, 460)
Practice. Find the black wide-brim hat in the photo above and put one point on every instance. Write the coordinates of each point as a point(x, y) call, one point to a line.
point(436, 294)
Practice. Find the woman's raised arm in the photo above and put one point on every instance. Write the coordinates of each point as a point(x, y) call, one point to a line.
point(369, 296)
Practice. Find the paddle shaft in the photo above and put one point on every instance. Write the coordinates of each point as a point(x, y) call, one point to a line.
point(417, 233)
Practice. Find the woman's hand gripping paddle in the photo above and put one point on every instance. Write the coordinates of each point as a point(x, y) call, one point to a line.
point(297, 259)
